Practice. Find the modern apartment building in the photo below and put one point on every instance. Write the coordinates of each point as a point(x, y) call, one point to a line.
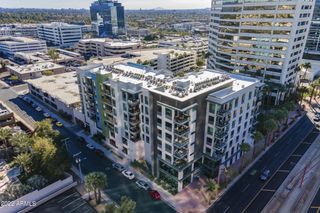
point(107, 18)
point(10, 45)
point(103, 47)
point(180, 126)
point(261, 38)
point(60, 34)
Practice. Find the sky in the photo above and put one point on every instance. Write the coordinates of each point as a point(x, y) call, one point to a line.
point(129, 4)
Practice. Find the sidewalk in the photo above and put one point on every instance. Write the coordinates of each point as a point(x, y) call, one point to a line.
point(290, 197)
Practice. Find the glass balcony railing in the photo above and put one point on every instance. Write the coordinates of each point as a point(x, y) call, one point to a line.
point(182, 119)
point(181, 142)
point(133, 102)
point(223, 112)
point(181, 130)
point(180, 154)
point(221, 133)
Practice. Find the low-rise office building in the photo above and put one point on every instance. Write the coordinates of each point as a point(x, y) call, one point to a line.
point(138, 32)
point(174, 60)
point(105, 47)
point(181, 126)
point(31, 71)
point(60, 34)
point(21, 30)
point(6, 116)
point(10, 45)
point(60, 93)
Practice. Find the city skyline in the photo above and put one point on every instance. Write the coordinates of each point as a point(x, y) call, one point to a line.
point(129, 4)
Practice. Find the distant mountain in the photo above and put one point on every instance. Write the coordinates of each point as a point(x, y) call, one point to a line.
point(158, 8)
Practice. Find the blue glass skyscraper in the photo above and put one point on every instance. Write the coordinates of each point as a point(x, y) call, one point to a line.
point(107, 18)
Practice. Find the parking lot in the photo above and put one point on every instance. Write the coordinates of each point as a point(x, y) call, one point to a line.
point(69, 201)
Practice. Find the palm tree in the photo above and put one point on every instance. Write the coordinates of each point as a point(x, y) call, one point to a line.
point(5, 134)
point(212, 187)
point(314, 87)
point(21, 142)
point(257, 137)
point(24, 160)
point(53, 54)
point(96, 181)
point(301, 92)
point(3, 65)
point(306, 66)
point(268, 127)
point(244, 148)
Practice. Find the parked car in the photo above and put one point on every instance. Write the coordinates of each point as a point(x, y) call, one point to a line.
point(143, 185)
point(155, 195)
point(316, 119)
point(34, 105)
point(128, 174)
point(59, 124)
point(90, 146)
point(118, 167)
point(46, 115)
point(265, 175)
point(38, 109)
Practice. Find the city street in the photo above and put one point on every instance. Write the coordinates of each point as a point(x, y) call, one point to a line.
point(315, 205)
point(249, 186)
point(118, 185)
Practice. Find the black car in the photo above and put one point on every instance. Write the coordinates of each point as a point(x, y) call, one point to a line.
point(265, 175)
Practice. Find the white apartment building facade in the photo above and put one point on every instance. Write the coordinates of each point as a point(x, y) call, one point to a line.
point(263, 38)
point(60, 34)
point(174, 124)
point(103, 47)
point(10, 45)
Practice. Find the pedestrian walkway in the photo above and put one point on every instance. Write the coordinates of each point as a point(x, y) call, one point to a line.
point(298, 190)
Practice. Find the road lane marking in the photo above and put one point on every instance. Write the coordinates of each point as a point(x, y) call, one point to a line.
point(227, 209)
point(245, 188)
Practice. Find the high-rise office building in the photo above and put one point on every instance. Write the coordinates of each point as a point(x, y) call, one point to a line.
point(312, 49)
point(262, 38)
point(107, 18)
point(180, 126)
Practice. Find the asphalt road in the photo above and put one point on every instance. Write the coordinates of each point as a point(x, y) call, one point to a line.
point(315, 205)
point(244, 195)
point(118, 185)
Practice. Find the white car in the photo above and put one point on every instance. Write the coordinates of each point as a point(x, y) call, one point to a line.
point(143, 185)
point(90, 146)
point(128, 174)
point(38, 109)
point(46, 115)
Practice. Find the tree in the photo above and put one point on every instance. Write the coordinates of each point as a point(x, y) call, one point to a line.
point(3, 65)
point(37, 182)
point(301, 92)
point(44, 129)
point(110, 208)
point(257, 137)
point(244, 148)
point(53, 54)
point(24, 160)
point(21, 142)
point(200, 62)
point(5, 134)
point(126, 205)
point(212, 187)
point(268, 127)
point(96, 181)
point(306, 66)
point(14, 191)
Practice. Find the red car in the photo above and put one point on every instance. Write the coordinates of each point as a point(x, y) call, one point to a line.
point(155, 195)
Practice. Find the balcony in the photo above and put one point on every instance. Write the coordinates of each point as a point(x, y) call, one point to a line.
point(222, 123)
point(133, 102)
point(181, 130)
point(181, 142)
point(221, 133)
point(223, 113)
point(182, 119)
point(134, 111)
point(134, 129)
point(220, 145)
point(180, 154)
point(217, 156)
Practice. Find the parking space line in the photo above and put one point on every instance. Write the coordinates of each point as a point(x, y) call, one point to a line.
point(296, 155)
point(268, 190)
point(83, 203)
point(79, 198)
point(67, 197)
point(285, 171)
point(245, 188)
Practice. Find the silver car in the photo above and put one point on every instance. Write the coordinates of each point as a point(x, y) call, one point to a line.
point(143, 185)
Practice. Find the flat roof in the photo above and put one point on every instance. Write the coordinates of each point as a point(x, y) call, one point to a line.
point(180, 88)
point(63, 87)
point(38, 67)
point(111, 43)
point(41, 56)
point(143, 55)
point(13, 40)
